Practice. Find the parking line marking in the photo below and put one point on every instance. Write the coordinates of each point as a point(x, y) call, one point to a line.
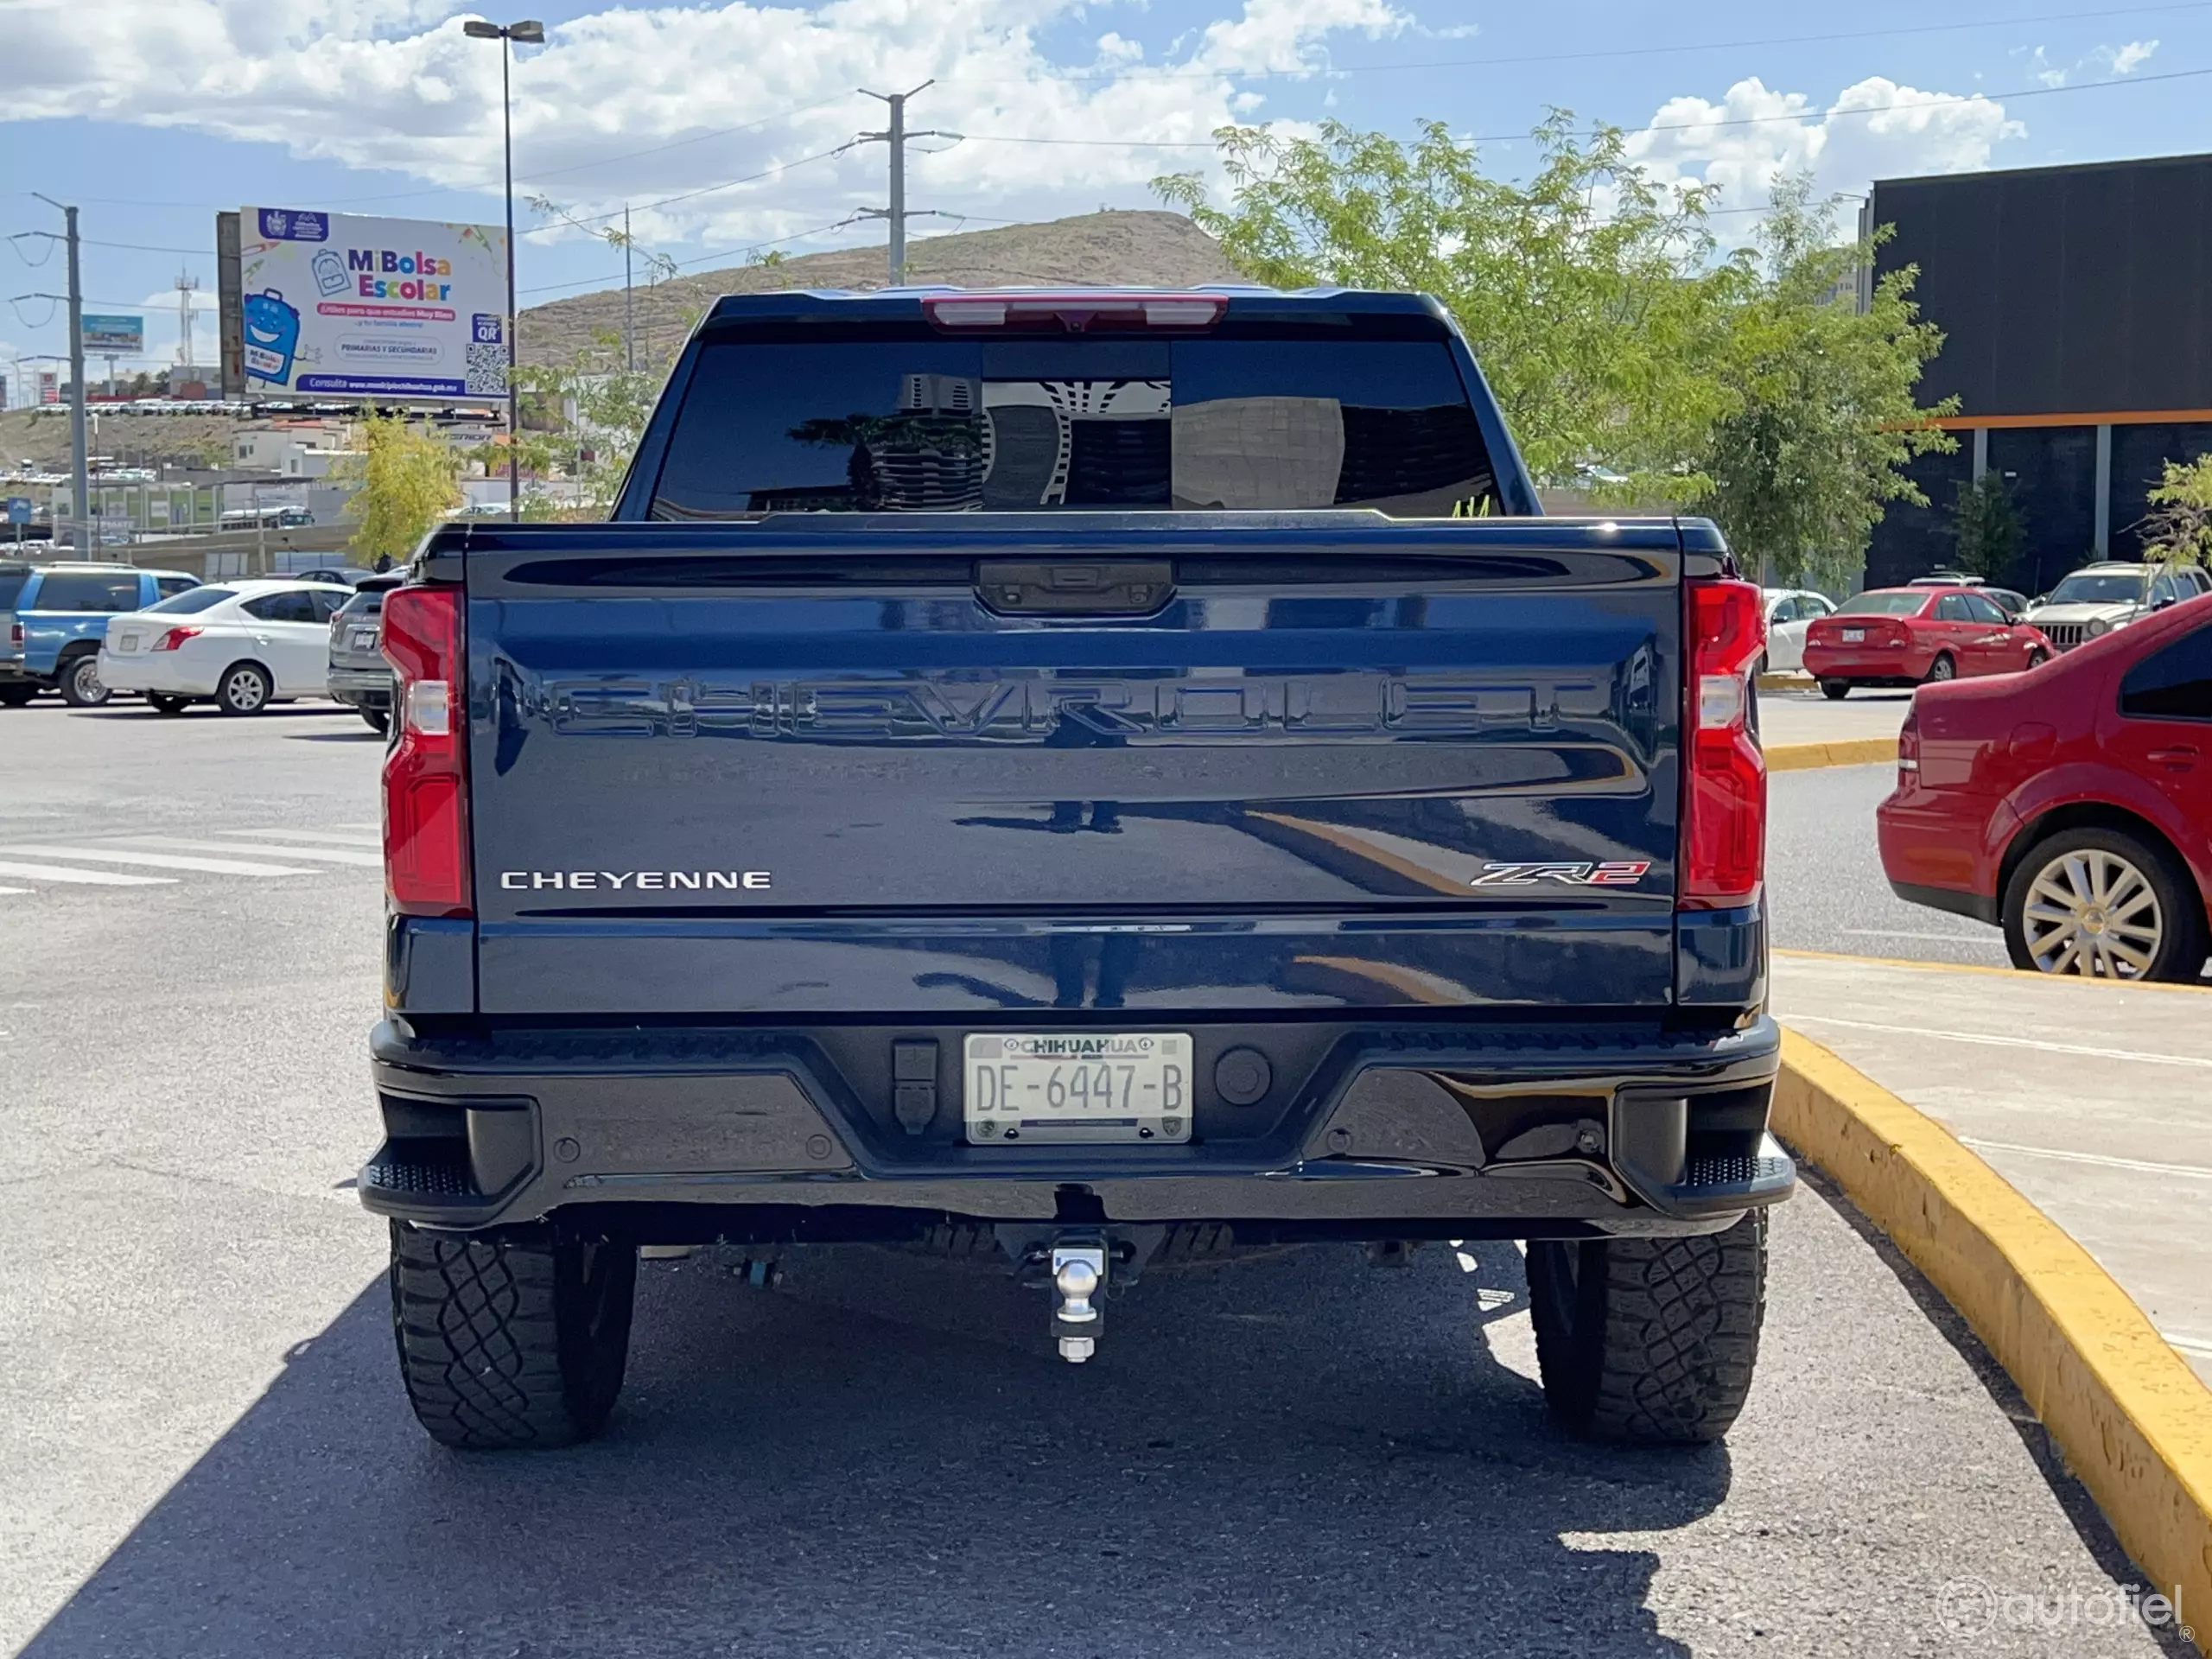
point(1988, 1040)
point(15, 889)
point(161, 861)
point(90, 878)
point(370, 838)
point(2187, 1344)
point(2190, 1172)
point(325, 854)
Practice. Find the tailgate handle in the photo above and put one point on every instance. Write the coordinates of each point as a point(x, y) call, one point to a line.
point(1087, 587)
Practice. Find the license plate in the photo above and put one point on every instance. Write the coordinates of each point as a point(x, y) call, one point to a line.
point(1022, 1088)
point(365, 639)
point(1854, 636)
point(130, 642)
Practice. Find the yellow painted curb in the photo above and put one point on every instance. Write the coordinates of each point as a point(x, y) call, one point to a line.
point(1922, 964)
point(1844, 752)
point(2131, 1419)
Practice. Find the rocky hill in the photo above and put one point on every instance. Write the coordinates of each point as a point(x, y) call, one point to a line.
point(1136, 247)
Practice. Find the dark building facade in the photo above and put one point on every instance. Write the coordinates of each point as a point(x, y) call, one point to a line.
point(2076, 307)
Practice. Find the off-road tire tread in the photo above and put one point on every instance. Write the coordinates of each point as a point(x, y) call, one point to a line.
point(477, 1317)
point(1673, 1365)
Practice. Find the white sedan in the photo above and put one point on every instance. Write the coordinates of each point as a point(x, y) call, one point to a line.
point(1790, 612)
point(241, 645)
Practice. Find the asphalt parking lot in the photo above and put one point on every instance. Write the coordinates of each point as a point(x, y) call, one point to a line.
point(207, 1452)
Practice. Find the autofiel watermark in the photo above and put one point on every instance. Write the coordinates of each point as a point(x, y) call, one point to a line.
point(1966, 1605)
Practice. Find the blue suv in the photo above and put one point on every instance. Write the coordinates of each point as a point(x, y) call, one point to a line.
point(59, 615)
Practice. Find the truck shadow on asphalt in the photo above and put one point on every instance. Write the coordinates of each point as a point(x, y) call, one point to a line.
point(1292, 1454)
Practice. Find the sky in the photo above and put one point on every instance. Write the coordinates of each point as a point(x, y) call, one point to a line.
point(720, 124)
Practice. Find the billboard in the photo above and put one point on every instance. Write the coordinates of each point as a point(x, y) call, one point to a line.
point(348, 305)
point(124, 336)
point(49, 386)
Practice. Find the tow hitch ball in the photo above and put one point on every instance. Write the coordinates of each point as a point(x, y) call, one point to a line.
point(1078, 1287)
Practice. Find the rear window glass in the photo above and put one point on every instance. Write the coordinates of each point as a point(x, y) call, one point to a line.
point(11, 583)
point(363, 603)
point(191, 600)
point(82, 591)
point(1027, 425)
point(1906, 604)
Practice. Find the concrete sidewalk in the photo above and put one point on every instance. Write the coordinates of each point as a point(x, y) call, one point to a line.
point(2093, 1100)
point(1809, 717)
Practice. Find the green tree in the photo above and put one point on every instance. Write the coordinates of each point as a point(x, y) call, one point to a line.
point(1986, 527)
point(407, 482)
point(1588, 293)
point(2179, 524)
point(1822, 414)
point(581, 421)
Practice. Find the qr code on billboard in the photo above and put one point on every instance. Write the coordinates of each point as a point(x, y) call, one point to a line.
point(487, 366)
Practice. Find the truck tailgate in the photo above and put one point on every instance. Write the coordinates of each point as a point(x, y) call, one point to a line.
point(849, 764)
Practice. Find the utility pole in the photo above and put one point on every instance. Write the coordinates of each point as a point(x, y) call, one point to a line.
point(629, 328)
point(81, 478)
point(896, 137)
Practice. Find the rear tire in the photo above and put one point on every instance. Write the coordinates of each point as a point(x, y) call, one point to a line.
point(16, 696)
point(244, 689)
point(80, 680)
point(1836, 690)
point(1940, 669)
point(379, 721)
point(2154, 912)
point(1649, 1341)
point(167, 703)
point(514, 1337)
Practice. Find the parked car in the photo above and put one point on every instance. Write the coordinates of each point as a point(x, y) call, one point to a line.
point(1903, 636)
point(2009, 601)
point(341, 575)
point(1084, 887)
point(359, 675)
point(1790, 612)
point(2072, 808)
point(241, 645)
point(2098, 598)
point(59, 612)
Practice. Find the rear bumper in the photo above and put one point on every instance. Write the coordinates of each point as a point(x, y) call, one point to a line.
point(1868, 667)
point(161, 671)
point(1522, 1129)
point(364, 688)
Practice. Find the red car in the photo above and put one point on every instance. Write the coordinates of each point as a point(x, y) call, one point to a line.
point(2072, 806)
point(1908, 636)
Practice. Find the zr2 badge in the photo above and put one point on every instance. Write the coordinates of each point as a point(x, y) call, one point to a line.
point(1621, 873)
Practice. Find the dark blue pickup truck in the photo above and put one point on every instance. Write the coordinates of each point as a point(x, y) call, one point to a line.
point(1100, 778)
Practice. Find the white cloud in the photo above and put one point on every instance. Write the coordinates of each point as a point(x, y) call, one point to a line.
point(395, 84)
point(1875, 128)
point(2126, 60)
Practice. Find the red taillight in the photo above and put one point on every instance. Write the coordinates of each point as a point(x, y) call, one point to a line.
point(1724, 791)
point(15, 633)
point(1072, 312)
point(1909, 750)
point(426, 774)
point(175, 638)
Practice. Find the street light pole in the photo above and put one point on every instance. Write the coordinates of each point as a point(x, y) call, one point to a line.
point(530, 31)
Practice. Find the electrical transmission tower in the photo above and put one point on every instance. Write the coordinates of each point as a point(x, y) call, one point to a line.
point(186, 285)
point(897, 212)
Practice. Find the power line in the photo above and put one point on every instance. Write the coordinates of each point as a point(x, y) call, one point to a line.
point(1669, 49)
point(718, 253)
point(1800, 116)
